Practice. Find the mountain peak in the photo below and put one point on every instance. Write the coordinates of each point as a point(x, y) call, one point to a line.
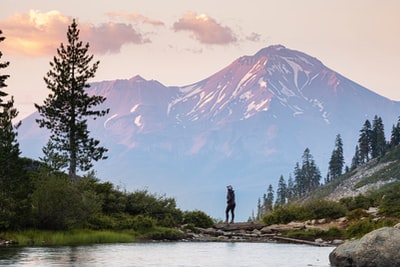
point(271, 49)
point(137, 78)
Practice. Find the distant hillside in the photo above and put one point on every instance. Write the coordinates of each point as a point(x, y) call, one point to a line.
point(374, 175)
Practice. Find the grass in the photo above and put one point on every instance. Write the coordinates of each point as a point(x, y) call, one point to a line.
point(75, 237)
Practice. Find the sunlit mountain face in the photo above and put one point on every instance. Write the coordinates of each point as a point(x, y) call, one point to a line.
point(246, 125)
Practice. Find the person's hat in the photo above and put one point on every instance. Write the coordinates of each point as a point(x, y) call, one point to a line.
point(229, 187)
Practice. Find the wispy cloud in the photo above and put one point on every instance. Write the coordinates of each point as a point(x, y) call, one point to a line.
point(205, 29)
point(38, 34)
point(134, 18)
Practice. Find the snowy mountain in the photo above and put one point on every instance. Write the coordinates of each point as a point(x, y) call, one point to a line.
point(245, 125)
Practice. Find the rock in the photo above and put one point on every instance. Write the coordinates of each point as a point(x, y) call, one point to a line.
point(319, 240)
point(372, 211)
point(274, 228)
point(337, 242)
point(379, 248)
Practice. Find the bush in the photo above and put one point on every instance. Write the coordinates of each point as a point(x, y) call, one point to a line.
point(285, 214)
point(357, 214)
point(324, 209)
point(143, 223)
point(358, 202)
point(313, 209)
point(198, 219)
point(161, 208)
point(60, 204)
point(390, 202)
point(101, 222)
point(162, 233)
point(359, 228)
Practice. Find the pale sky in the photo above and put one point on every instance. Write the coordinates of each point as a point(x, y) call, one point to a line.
point(179, 42)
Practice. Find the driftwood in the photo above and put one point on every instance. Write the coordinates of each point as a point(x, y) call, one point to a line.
point(298, 241)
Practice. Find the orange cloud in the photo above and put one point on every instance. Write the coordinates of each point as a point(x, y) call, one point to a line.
point(205, 29)
point(38, 34)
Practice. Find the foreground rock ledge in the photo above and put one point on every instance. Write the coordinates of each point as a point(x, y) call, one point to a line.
point(379, 248)
point(252, 232)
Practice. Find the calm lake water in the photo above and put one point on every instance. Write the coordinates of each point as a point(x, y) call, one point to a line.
point(178, 254)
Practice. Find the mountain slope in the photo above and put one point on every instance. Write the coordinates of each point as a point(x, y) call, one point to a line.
point(245, 125)
point(369, 177)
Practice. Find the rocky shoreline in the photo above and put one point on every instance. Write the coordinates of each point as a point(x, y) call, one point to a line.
point(255, 232)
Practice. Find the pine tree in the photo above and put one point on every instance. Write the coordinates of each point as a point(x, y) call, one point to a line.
point(336, 162)
point(290, 192)
point(67, 107)
point(378, 140)
point(299, 182)
point(364, 142)
point(309, 175)
point(356, 161)
point(269, 200)
point(281, 192)
point(10, 164)
point(395, 135)
point(259, 210)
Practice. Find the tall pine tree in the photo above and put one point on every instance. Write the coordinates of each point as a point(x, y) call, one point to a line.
point(364, 142)
point(281, 192)
point(308, 176)
point(395, 135)
point(336, 162)
point(378, 140)
point(10, 164)
point(67, 107)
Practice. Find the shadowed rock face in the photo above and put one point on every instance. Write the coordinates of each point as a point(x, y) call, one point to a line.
point(379, 248)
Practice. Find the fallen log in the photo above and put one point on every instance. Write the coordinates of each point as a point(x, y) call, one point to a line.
point(298, 241)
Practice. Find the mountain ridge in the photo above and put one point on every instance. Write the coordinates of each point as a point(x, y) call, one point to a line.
point(245, 125)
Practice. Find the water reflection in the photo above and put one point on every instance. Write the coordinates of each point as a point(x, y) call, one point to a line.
point(170, 255)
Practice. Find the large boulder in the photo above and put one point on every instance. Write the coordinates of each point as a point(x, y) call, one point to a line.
point(379, 248)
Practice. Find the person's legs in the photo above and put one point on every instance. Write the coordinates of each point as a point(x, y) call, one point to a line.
point(233, 213)
point(227, 214)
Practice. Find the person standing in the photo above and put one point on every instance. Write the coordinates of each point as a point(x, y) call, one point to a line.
point(231, 204)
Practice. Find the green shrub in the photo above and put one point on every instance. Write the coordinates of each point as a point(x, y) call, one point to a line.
point(334, 233)
point(285, 214)
point(143, 223)
point(60, 204)
point(198, 219)
point(161, 208)
point(313, 209)
point(390, 201)
point(162, 233)
point(321, 208)
point(359, 228)
point(357, 214)
point(102, 221)
point(358, 202)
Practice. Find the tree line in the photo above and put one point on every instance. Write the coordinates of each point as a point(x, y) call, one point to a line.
point(52, 193)
point(371, 144)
